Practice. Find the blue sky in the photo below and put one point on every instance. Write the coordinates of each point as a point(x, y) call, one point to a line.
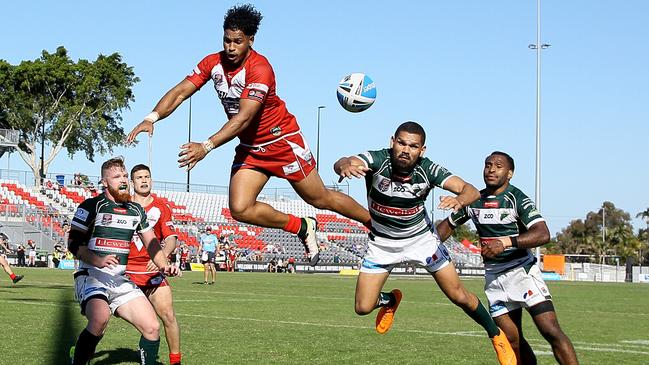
point(462, 69)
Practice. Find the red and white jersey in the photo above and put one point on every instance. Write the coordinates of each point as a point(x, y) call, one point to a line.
point(158, 215)
point(253, 80)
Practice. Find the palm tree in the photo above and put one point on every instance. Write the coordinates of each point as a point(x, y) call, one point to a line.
point(644, 215)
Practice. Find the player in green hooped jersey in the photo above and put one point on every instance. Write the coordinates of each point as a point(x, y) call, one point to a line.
point(509, 224)
point(398, 180)
point(101, 233)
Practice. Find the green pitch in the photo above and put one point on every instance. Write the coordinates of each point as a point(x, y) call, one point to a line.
point(309, 319)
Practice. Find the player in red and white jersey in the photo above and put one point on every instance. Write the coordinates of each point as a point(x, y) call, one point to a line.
point(142, 271)
point(271, 143)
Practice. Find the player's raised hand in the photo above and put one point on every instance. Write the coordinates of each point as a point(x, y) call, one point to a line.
point(190, 154)
point(352, 170)
point(449, 203)
point(144, 126)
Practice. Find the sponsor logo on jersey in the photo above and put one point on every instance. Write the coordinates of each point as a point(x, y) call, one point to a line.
point(119, 210)
point(291, 168)
point(503, 215)
point(106, 219)
point(258, 86)
point(395, 211)
point(276, 131)
point(257, 95)
point(529, 293)
point(110, 243)
point(81, 214)
point(384, 185)
point(492, 204)
point(217, 78)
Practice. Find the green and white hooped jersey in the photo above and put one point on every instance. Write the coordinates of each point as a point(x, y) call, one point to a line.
point(111, 227)
point(397, 206)
point(506, 214)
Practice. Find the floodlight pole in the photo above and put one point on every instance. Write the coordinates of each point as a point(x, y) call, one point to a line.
point(538, 46)
point(317, 153)
point(189, 135)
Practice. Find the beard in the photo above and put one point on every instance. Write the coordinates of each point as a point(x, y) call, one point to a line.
point(120, 196)
point(402, 167)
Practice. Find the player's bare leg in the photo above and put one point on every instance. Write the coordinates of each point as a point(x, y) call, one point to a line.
point(162, 300)
point(511, 324)
point(449, 282)
point(313, 191)
point(98, 314)
point(370, 297)
point(368, 288)
point(5, 265)
point(245, 186)
point(549, 328)
point(508, 323)
point(142, 316)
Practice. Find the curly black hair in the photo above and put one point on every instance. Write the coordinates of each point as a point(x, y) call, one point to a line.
point(244, 18)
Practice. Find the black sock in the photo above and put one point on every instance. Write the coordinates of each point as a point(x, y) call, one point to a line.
point(85, 347)
point(303, 227)
point(482, 317)
point(149, 351)
point(386, 300)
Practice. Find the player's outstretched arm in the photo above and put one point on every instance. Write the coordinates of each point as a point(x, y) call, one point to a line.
point(348, 167)
point(466, 194)
point(191, 153)
point(169, 102)
point(152, 245)
point(444, 229)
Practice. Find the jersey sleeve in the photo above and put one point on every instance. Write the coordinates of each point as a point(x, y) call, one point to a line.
point(527, 212)
point(460, 217)
point(143, 226)
point(165, 226)
point(84, 217)
point(374, 159)
point(259, 80)
point(437, 174)
point(202, 72)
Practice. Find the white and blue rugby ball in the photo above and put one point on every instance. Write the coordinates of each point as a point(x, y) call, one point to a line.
point(356, 92)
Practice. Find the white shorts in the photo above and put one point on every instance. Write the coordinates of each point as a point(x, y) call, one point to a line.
point(425, 250)
point(116, 290)
point(516, 288)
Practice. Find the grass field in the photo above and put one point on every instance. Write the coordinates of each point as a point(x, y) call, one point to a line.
point(309, 319)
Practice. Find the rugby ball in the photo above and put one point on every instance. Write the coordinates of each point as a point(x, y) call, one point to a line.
point(356, 92)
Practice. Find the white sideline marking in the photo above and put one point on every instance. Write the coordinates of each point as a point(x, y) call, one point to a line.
point(586, 346)
point(583, 346)
point(225, 300)
point(637, 342)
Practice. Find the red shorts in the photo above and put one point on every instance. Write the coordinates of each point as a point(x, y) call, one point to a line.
point(287, 157)
point(148, 280)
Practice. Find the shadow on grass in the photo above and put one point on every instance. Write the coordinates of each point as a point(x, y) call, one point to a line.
point(117, 356)
point(67, 330)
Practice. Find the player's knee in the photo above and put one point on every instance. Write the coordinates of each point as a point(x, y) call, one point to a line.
point(460, 297)
point(168, 317)
point(97, 323)
point(553, 334)
point(151, 329)
point(363, 308)
point(240, 212)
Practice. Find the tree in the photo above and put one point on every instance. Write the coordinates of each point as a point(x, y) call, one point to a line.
point(643, 236)
point(76, 106)
point(607, 231)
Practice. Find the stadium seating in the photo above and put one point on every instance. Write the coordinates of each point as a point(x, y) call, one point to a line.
point(342, 240)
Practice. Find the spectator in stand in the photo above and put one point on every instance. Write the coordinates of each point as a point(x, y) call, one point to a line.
point(290, 266)
point(280, 265)
point(272, 265)
point(20, 252)
point(184, 257)
point(57, 255)
point(77, 180)
point(31, 260)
